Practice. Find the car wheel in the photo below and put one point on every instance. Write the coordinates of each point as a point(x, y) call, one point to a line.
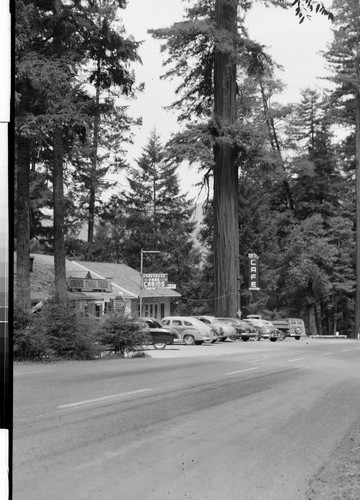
point(245, 338)
point(189, 340)
point(159, 345)
point(199, 342)
point(273, 339)
point(297, 337)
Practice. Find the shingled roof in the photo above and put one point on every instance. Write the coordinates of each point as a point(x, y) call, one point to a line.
point(124, 279)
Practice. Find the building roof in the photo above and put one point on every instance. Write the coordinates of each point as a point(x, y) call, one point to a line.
point(124, 279)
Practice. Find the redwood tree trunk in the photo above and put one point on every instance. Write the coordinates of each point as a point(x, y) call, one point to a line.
point(93, 178)
point(226, 228)
point(312, 319)
point(23, 223)
point(59, 243)
point(94, 160)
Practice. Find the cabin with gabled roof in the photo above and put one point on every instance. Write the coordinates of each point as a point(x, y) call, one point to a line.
point(98, 288)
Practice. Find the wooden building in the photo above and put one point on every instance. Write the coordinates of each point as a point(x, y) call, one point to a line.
point(98, 287)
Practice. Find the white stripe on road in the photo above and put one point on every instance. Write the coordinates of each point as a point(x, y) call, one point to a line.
point(296, 359)
point(104, 398)
point(241, 371)
point(326, 354)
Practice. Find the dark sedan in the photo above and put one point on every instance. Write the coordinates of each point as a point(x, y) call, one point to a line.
point(160, 336)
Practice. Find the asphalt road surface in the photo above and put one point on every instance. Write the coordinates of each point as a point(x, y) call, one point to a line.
point(234, 421)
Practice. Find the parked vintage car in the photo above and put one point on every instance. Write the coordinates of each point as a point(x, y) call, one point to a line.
point(243, 329)
point(191, 330)
point(224, 330)
point(291, 327)
point(266, 328)
point(160, 336)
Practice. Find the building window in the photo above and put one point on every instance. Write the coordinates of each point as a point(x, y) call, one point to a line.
point(98, 310)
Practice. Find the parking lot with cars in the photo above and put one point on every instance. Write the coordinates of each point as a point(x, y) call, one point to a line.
point(197, 330)
point(191, 330)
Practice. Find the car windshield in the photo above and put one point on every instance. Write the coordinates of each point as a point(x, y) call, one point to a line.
point(153, 324)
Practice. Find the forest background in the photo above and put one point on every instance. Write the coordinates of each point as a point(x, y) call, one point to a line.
point(296, 197)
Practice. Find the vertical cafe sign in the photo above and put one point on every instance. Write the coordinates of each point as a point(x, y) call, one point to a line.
point(254, 271)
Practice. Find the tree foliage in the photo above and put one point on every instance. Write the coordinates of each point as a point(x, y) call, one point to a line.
point(152, 215)
point(119, 333)
point(56, 115)
point(293, 181)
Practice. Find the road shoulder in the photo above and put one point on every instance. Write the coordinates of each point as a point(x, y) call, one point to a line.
point(339, 478)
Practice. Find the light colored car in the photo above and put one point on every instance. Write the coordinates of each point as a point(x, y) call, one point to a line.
point(191, 330)
point(245, 330)
point(224, 330)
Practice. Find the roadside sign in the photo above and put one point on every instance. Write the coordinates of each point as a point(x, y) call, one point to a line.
point(155, 280)
point(254, 271)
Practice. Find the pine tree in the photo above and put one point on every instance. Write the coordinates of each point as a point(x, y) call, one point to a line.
point(107, 53)
point(159, 217)
point(344, 57)
point(54, 40)
point(209, 36)
point(320, 190)
point(46, 52)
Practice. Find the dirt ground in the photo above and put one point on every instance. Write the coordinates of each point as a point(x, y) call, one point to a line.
point(339, 479)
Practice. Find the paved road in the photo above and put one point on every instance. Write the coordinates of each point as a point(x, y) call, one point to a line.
point(235, 421)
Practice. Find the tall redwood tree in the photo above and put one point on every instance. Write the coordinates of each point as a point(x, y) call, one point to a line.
point(226, 232)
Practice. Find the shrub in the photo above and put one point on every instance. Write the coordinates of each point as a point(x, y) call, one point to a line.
point(54, 332)
point(119, 333)
point(70, 335)
point(28, 342)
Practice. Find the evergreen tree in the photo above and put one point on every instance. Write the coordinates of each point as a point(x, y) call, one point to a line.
point(318, 183)
point(46, 53)
point(154, 215)
point(343, 56)
point(320, 192)
point(205, 50)
point(54, 39)
point(108, 53)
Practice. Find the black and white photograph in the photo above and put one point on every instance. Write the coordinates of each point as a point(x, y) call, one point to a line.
point(180, 250)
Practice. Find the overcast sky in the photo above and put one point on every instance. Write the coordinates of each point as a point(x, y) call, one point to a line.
point(296, 47)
